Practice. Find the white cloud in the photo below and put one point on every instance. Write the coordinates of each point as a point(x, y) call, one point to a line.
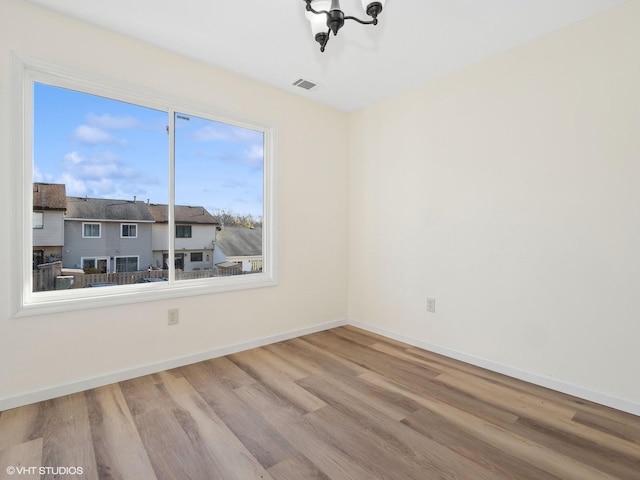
point(255, 154)
point(92, 135)
point(102, 175)
point(39, 176)
point(110, 122)
point(74, 186)
point(73, 158)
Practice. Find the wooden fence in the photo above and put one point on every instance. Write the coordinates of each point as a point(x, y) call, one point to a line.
point(52, 276)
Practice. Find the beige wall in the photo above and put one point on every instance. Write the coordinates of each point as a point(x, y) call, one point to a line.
point(510, 192)
point(41, 352)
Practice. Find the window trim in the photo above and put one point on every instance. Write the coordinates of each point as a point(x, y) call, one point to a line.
point(92, 236)
point(122, 225)
point(24, 302)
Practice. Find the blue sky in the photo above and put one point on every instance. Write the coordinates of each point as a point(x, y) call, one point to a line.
point(109, 149)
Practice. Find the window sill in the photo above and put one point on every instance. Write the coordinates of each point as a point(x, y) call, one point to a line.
point(80, 299)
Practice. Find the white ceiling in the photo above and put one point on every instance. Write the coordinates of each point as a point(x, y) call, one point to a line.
point(271, 41)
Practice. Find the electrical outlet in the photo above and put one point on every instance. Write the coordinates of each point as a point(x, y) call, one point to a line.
point(173, 316)
point(431, 305)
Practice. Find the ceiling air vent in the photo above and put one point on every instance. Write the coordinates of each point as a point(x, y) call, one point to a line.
point(306, 84)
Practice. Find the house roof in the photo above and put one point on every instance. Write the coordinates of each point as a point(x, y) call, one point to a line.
point(184, 214)
point(107, 209)
point(49, 196)
point(240, 241)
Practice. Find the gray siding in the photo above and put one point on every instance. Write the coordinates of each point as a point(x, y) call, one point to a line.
point(108, 245)
point(52, 232)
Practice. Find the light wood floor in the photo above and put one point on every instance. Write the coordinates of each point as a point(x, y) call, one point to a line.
point(340, 404)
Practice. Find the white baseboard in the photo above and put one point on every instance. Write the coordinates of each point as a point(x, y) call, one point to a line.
point(612, 401)
point(93, 382)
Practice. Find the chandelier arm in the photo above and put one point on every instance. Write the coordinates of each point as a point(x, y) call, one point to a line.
point(363, 22)
point(317, 12)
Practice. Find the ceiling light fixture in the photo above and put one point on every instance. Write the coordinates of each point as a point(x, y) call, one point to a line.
point(326, 16)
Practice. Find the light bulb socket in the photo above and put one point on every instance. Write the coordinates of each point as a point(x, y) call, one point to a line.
point(335, 20)
point(321, 38)
point(374, 9)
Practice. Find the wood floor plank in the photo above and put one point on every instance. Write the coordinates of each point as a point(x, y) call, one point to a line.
point(499, 437)
point(376, 337)
point(542, 413)
point(603, 455)
point(118, 449)
point(296, 468)
point(266, 368)
point(67, 440)
point(25, 457)
point(141, 394)
point(226, 456)
point(445, 364)
point(392, 404)
point(386, 365)
point(624, 430)
point(369, 452)
point(314, 444)
point(168, 446)
point(492, 458)
point(321, 359)
point(375, 437)
point(260, 438)
point(20, 425)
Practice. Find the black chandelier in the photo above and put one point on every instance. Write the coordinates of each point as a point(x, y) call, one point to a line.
point(326, 16)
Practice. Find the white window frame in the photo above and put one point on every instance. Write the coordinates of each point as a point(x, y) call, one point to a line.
point(25, 302)
point(92, 236)
point(122, 225)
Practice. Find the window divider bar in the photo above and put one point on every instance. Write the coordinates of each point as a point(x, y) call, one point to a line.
point(171, 227)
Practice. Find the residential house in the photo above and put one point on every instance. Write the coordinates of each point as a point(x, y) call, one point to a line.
point(239, 247)
point(107, 235)
point(49, 206)
point(195, 234)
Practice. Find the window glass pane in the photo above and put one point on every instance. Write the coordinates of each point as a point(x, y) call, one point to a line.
point(38, 219)
point(97, 162)
point(219, 176)
point(126, 264)
point(183, 231)
point(91, 229)
point(129, 230)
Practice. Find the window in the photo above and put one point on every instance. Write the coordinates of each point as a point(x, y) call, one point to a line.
point(92, 265)
point(126, 264)
point(90, 230)
point(38, 220)
point(129, 230)
point(183, 231)
point(104, 146)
